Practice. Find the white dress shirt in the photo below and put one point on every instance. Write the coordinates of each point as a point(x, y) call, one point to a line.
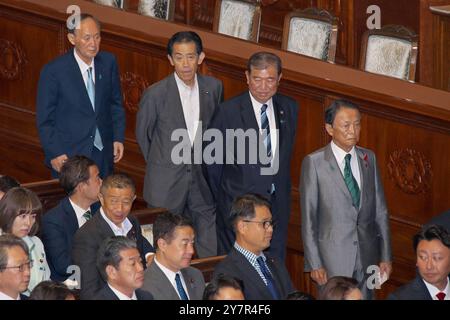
point(340, 154)
point(270, 112)
point(171, 276)
point(84, 68)
point(4, 296)
point(190, 101)
point(434, 291)
point(79, 212)
point(118, 231)
point(122, 296)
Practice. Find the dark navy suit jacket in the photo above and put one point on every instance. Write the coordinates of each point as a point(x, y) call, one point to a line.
point(107, 294)
point(65, 118)
point(414, 290)
point(58, 228)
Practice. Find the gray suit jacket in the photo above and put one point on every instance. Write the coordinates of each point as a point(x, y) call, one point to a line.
point(333, 230)
point(160, 287)
point(166, 184)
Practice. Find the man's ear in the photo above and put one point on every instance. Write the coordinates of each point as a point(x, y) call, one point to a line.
point(102, 199)
point(240, 226)
point(111, 272)
point(329, 129)
point(247, 75)
point(71, 38)
point(200, 58)
point(279, 77)
point(170, 60)
point(161, 244)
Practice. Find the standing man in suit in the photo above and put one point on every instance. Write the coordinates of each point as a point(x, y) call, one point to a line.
point(117, 194)
point(170, 276)
point(79, 103)
point(120, 265)
point(183, 102)
point(80, 179)
point(432, 247)
point(264, 277)
point(345, 223)
point(272, 118)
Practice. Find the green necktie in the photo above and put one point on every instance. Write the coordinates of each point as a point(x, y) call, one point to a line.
point(87, 215)
point(350, 181)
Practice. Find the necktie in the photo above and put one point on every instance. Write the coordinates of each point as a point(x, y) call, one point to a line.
point(181, 292)
point(350, 181)
point(440, 295)
point(87, 215)
point(91, 92)
point(266, 130)
point(270, 284)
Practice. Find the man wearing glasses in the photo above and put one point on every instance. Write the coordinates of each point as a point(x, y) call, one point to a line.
point(264, 278)
point(14, 267)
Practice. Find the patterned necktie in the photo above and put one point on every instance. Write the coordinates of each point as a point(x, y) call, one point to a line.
point(440, 295)
point(91, 92)
point(270, 284)
point(87, 215)
point(181, 292)
point(266, 130)
point(350, 181)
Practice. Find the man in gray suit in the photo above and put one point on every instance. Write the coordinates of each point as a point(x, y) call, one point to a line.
point(176, 108)
point(345, 226)
point(169, 276)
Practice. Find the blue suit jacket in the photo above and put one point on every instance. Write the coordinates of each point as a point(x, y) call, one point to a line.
point(65, 118)
point(58, 228)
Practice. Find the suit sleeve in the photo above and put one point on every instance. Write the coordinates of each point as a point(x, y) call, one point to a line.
point(47, 102)
point(145, 123)
point(117, 111)
point(382, 217)
point(53, 237)
point(309, 199)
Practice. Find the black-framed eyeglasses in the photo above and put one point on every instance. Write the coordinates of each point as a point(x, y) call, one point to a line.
point(24, 266)
point(265, 224)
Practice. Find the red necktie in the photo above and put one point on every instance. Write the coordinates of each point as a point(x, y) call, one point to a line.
point(440, 296)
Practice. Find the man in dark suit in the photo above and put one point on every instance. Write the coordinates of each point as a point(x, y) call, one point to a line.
point(443, 220)
point(79, 102)
point(264, 277)
point(181, 105)
point(80, 179)
point(120, 265)
point(264, 168)
point(6, 183)
point(170, 276)
point(15, 267)
point(432, 247)
point(116, 197)
point(345, 222)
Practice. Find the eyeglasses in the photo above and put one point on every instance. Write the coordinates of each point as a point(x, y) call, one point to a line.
point(24, 266)
point(265, 224)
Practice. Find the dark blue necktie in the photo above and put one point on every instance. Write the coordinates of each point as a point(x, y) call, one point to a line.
point(270, 284)
point(266, 130)
point(181, 292)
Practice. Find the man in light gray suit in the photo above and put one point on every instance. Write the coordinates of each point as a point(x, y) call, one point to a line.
point(345, 225)
point(170, 277)
point(180, 105)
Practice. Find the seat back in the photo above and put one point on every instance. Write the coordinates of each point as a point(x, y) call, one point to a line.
point(162, 9)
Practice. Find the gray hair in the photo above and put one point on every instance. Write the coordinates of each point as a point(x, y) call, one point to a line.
point(109, 253)
point(7, 241)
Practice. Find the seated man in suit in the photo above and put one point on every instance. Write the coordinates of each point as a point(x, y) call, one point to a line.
point(170, 277)
point(15, 267)
point(6, 183)
point(120, 265)
point(432, 246)
point(264, 278)
point(80, 179)
point(116, 197)
point(443, 220)
point(224, 288)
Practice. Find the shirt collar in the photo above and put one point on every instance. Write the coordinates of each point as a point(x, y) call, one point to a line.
point(169, 273)
point(340, 153)
point(433, 290)
point(183, 86)
point(257, 105)
point(83, 65)
point(122, 296)
point(4, 296)
point(122, 231)
point(78, 210)
point(250, 256)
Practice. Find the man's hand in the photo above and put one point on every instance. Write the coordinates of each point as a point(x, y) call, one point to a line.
point(319, 276)
point(385, 267)
point(118, 151)
point(149, 259)
point(58, 162)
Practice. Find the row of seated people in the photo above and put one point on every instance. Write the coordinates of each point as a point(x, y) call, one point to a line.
point(110, 260)
point(391, 50)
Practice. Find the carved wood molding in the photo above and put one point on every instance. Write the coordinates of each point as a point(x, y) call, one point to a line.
point(410, 171)
point(133, 85)
point(12, 60)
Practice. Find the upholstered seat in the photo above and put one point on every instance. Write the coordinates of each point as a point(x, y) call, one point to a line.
point(111, 3)
point(311, 32)
point(390, 51)
point(162, 9)
point(239, 19)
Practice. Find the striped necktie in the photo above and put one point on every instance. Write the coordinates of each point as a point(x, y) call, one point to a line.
point(266, 130)
point(91, 92)
point(350, 181)
point(270, 284)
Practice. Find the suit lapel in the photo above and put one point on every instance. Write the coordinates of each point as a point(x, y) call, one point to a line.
point(174, 102)
point(204, 102)
point(71, 216)
point(99, 81)
point(275, 276)
point(247, 114)
point(190, 282)
point(364, 172)
point(74, 73)
point(280, 122)
point(163, 284)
